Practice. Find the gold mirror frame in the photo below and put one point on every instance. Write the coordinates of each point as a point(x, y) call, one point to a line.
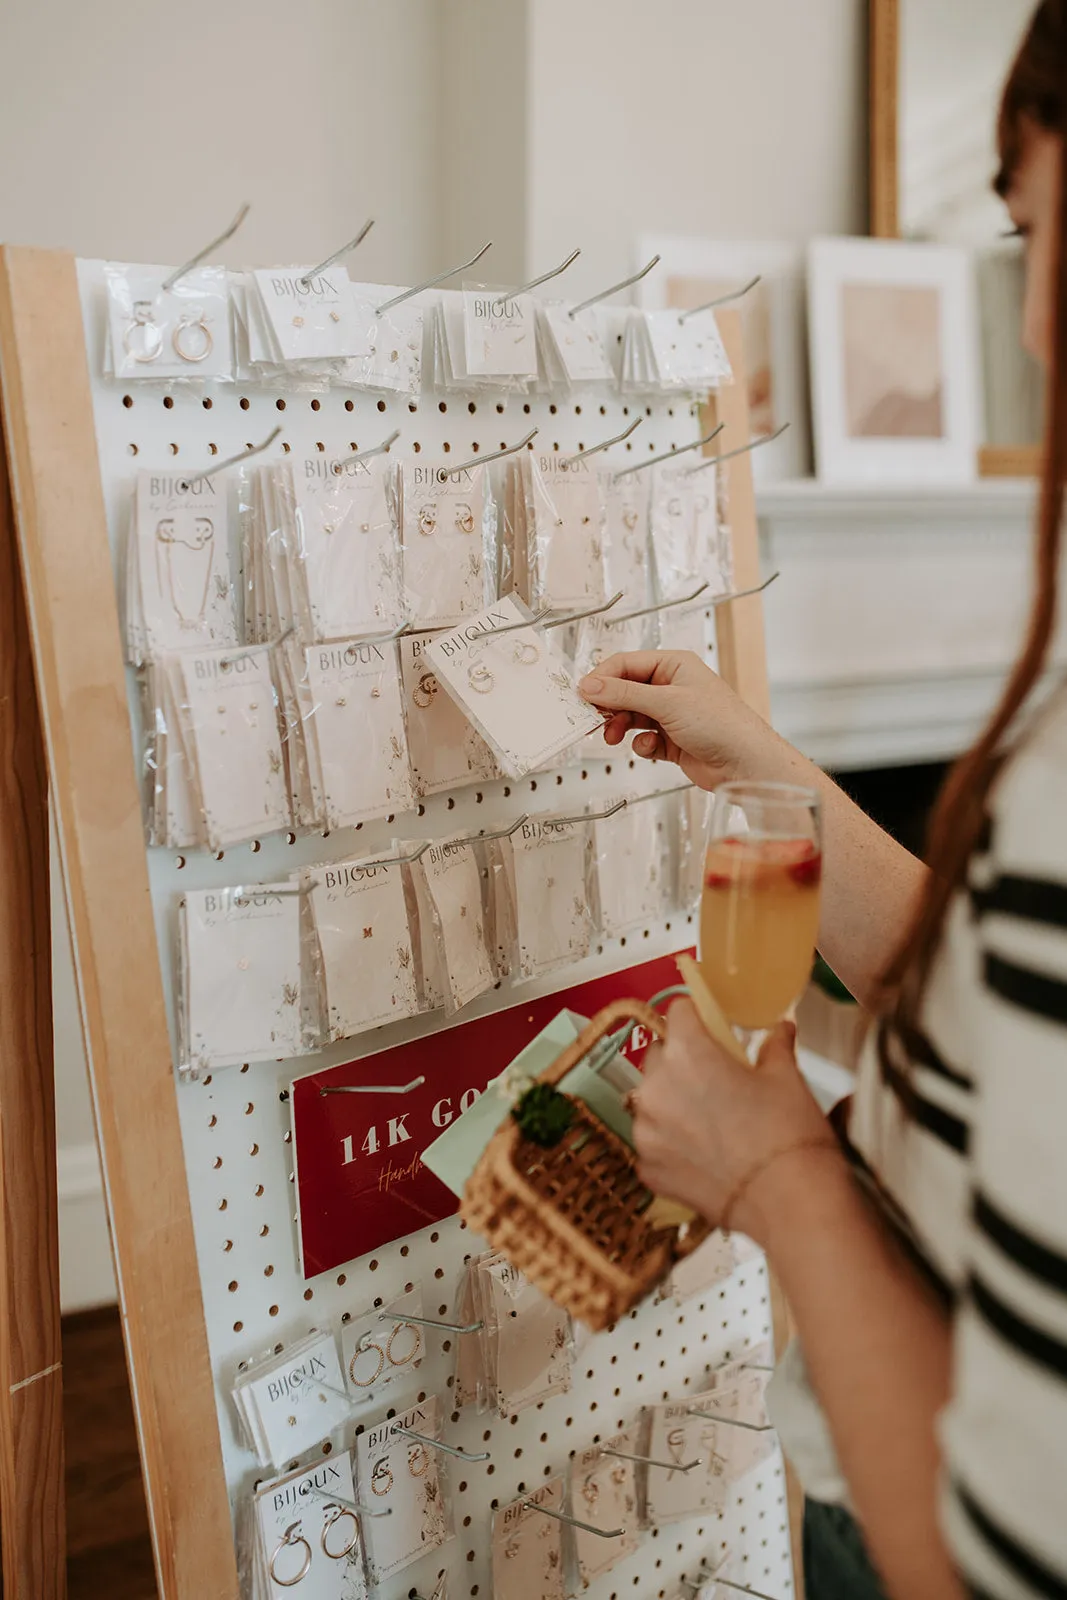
point(994, 461)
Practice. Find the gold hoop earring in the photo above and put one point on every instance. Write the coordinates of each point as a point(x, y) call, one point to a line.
point(415, 1349)
point(480, 679)
point(202, 335)
point(333, 1517)
point(428, 519)
point(366, 1383)
point(288, 1542)
point(150, 335)
point(421, 1454)
point(464, 518)
point(379, 1475)
point(526, 653)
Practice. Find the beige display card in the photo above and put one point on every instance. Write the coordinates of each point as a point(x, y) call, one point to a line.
point(528, 1547)
point(404, 1477)
point(604, 1494)
point(512, 687)
point(677, 1438)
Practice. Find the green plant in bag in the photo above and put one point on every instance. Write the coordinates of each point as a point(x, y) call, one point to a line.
point(544, 1115)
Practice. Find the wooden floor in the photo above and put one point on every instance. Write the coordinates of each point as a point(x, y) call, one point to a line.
point(109, 1552)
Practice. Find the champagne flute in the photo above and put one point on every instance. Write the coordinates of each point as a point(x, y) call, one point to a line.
point(759, 907)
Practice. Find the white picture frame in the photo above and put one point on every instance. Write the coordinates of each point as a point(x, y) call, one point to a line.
point(894, 362)
point(692, 271)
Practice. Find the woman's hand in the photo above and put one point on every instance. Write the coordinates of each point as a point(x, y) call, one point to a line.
point(714, 1134)
point(690, 715)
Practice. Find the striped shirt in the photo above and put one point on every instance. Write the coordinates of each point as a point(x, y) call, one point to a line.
point(971, 1145)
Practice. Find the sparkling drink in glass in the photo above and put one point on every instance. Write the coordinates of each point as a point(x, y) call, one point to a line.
point(759, 909)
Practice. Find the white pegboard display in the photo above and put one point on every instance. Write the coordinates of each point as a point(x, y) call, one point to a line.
point(235, 1123)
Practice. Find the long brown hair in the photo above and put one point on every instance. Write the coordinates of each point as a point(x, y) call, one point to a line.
point(1035, 96)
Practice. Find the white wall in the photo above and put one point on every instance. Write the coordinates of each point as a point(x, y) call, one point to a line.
point(134, 128)
point(701, 117)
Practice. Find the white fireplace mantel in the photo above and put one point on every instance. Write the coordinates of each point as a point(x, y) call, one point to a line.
point(896, 616)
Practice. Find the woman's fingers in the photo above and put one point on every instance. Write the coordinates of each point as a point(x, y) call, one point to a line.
point(621, 694)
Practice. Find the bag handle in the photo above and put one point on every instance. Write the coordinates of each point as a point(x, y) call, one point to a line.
point(602, 1024)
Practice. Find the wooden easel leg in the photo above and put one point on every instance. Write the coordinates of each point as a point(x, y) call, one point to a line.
point(32, 1503)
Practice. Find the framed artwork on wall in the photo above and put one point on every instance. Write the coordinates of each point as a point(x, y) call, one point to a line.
point(693, 271)
point(894, 370)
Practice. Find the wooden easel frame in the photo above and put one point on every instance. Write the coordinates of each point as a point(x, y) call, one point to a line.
point(57, 603)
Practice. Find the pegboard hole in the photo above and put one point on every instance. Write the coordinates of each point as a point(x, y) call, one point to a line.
point(232, 1286)
point(227, 1246)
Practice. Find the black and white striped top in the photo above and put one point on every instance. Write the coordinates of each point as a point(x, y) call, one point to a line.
point(971, 1144)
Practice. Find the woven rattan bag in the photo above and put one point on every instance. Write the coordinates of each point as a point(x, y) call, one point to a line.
point(568, 1208)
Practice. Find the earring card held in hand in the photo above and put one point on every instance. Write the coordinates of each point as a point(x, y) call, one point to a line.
point(449, 539)
point(240, 976)
point(360, 915)
point(528, 1547)
point(406, 1478)
point(513, 688)
point(301, 1528)
point(444, 750)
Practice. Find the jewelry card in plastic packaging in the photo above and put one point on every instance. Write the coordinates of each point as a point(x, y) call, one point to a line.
point(744, 1439)
point(380, 1350)
point(308, 1533)
point(179, 583)
point(630, 849)
point(514, 689)
point(555, 921)
point(444, 749)
point(597, 638)
point(707, 1267)
point(349, 544)
point(394, 336)
point(627, 558)
point(360, 916)
point(604, 1494)
point(292, 1401)
point(574, 344)
point(565, 531)
point(527, 1338)
point(404, 1475)
point(232, 737)
point(528, 1546)
point(679, 1440)
point(240, 977)
point(429, 962)
point(685, 532)
point(499, 333)
point(358, 729)
point(694, 821)
point(687, 353)
point(449, 543)
point(453, 881)
point(181, 332)
point(310, 318)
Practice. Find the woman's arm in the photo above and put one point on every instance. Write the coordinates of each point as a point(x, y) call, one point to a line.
point(871, 885)
point(714, 1135)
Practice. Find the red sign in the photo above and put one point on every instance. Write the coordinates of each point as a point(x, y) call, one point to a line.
point(359, 1172)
